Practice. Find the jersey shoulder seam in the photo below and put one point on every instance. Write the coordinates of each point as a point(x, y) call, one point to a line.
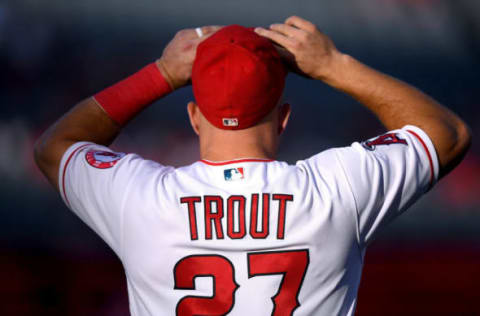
point(355, 204)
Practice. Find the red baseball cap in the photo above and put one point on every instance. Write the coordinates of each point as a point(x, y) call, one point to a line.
point(238, 77)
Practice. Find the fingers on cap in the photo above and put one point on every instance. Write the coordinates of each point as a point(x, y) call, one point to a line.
point(287, 30)
point(275, 36)
point(301, 23)
point(211, 28)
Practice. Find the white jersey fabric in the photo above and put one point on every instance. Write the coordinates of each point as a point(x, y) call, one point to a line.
point(250, 236)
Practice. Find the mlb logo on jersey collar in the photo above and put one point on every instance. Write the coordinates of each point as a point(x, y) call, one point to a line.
point(233, 174)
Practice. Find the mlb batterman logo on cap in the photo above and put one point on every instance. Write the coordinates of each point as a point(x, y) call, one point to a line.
point(238, 77)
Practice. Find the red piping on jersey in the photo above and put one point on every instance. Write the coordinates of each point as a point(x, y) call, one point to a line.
point(65, 169)
point(222, 163)
point(428, 154)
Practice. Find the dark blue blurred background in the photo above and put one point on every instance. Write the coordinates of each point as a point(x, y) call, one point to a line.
point(57, 52)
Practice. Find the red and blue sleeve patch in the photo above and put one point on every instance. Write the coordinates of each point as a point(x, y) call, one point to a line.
point(385, 139)
point(102, 159)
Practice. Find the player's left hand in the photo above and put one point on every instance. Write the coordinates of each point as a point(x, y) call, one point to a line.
point(303, 47)
point(178, 56)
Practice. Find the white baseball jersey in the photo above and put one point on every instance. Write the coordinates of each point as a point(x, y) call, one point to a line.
point(249, 236)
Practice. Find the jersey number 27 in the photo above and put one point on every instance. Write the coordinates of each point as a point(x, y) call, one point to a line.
point(291, 264)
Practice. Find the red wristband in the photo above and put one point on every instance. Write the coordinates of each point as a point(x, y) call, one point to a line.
point(125, 99)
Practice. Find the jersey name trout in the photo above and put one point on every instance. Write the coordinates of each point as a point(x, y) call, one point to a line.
point(215, 208)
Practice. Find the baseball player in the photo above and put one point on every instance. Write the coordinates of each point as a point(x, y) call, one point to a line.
point(238, 232)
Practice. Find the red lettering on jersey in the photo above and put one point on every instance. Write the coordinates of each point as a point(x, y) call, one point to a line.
point(236, 211)
point(215, 217)
point(386, 139)
point(192, 214)
point(291, 265)
point(254, 216)
point(224, 285)
point(282, 210)
point(240, 201)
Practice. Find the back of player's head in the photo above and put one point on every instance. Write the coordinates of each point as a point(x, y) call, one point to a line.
point(238, 78)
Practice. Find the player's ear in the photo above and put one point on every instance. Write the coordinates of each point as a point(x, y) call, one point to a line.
point(193, 114)
point(283, 116)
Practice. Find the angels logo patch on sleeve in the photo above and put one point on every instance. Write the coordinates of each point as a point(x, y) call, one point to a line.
point(386, 139)
point(102, 159)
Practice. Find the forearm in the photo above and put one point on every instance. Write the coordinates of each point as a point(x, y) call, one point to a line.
point(99, 119)
point(84, 122)
point(397, 104)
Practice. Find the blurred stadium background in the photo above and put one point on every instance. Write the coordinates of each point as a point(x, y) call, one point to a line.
point(54, 53)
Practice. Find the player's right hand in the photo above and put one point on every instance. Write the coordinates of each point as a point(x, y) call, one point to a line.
point(305, 48)
point(178, 56)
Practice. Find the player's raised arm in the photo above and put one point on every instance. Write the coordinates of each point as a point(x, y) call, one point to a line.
point(100, 118)
point(394, 102)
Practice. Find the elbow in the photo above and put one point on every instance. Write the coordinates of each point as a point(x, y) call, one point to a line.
point(454, 154)
point(464, 138)
point(45, 160)
point(42, 151)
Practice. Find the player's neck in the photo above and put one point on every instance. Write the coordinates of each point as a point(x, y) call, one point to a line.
point(259, 141)
point(224, 149)
point(227, 156)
